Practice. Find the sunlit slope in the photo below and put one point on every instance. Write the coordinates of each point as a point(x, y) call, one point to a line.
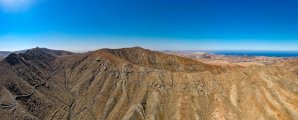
point(136, 83)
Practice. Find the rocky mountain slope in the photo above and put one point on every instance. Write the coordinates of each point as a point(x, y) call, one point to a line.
point(4, 54)
point(136, 84)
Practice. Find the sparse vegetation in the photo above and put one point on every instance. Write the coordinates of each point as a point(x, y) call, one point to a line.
point(136, 83)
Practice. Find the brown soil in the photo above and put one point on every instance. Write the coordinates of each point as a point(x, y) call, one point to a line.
point(136, 84)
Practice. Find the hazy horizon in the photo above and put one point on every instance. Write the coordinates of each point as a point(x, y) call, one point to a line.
point(239, 51)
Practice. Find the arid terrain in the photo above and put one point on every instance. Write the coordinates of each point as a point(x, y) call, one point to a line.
point(218, 59)
point(140, 84)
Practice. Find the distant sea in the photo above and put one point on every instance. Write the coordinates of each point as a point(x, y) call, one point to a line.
point(258, 53)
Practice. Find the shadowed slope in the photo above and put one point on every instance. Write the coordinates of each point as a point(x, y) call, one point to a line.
point(4, 54)
point(135, 83)
point(24, 83)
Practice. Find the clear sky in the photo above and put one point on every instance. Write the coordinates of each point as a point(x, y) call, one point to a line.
point(155, 24)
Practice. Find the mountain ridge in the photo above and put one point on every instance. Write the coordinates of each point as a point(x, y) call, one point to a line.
point(137, 83)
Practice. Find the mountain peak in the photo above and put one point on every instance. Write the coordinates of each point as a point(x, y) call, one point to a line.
point(13, 59)
point(153, 59)
point(94, 85)
point(51, 52)
point(136, 48)
point(37, 53)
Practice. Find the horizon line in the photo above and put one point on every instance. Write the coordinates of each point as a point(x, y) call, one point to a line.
point(198, 50)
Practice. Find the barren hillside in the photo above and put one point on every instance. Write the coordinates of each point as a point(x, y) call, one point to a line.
point(136, 84)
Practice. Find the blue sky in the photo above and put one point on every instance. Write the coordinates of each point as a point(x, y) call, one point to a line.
point(156, 24)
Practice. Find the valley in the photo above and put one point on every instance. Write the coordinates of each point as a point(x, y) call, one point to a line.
point(137, 83)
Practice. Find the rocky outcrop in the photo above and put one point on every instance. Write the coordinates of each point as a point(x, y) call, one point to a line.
point(135, 83)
